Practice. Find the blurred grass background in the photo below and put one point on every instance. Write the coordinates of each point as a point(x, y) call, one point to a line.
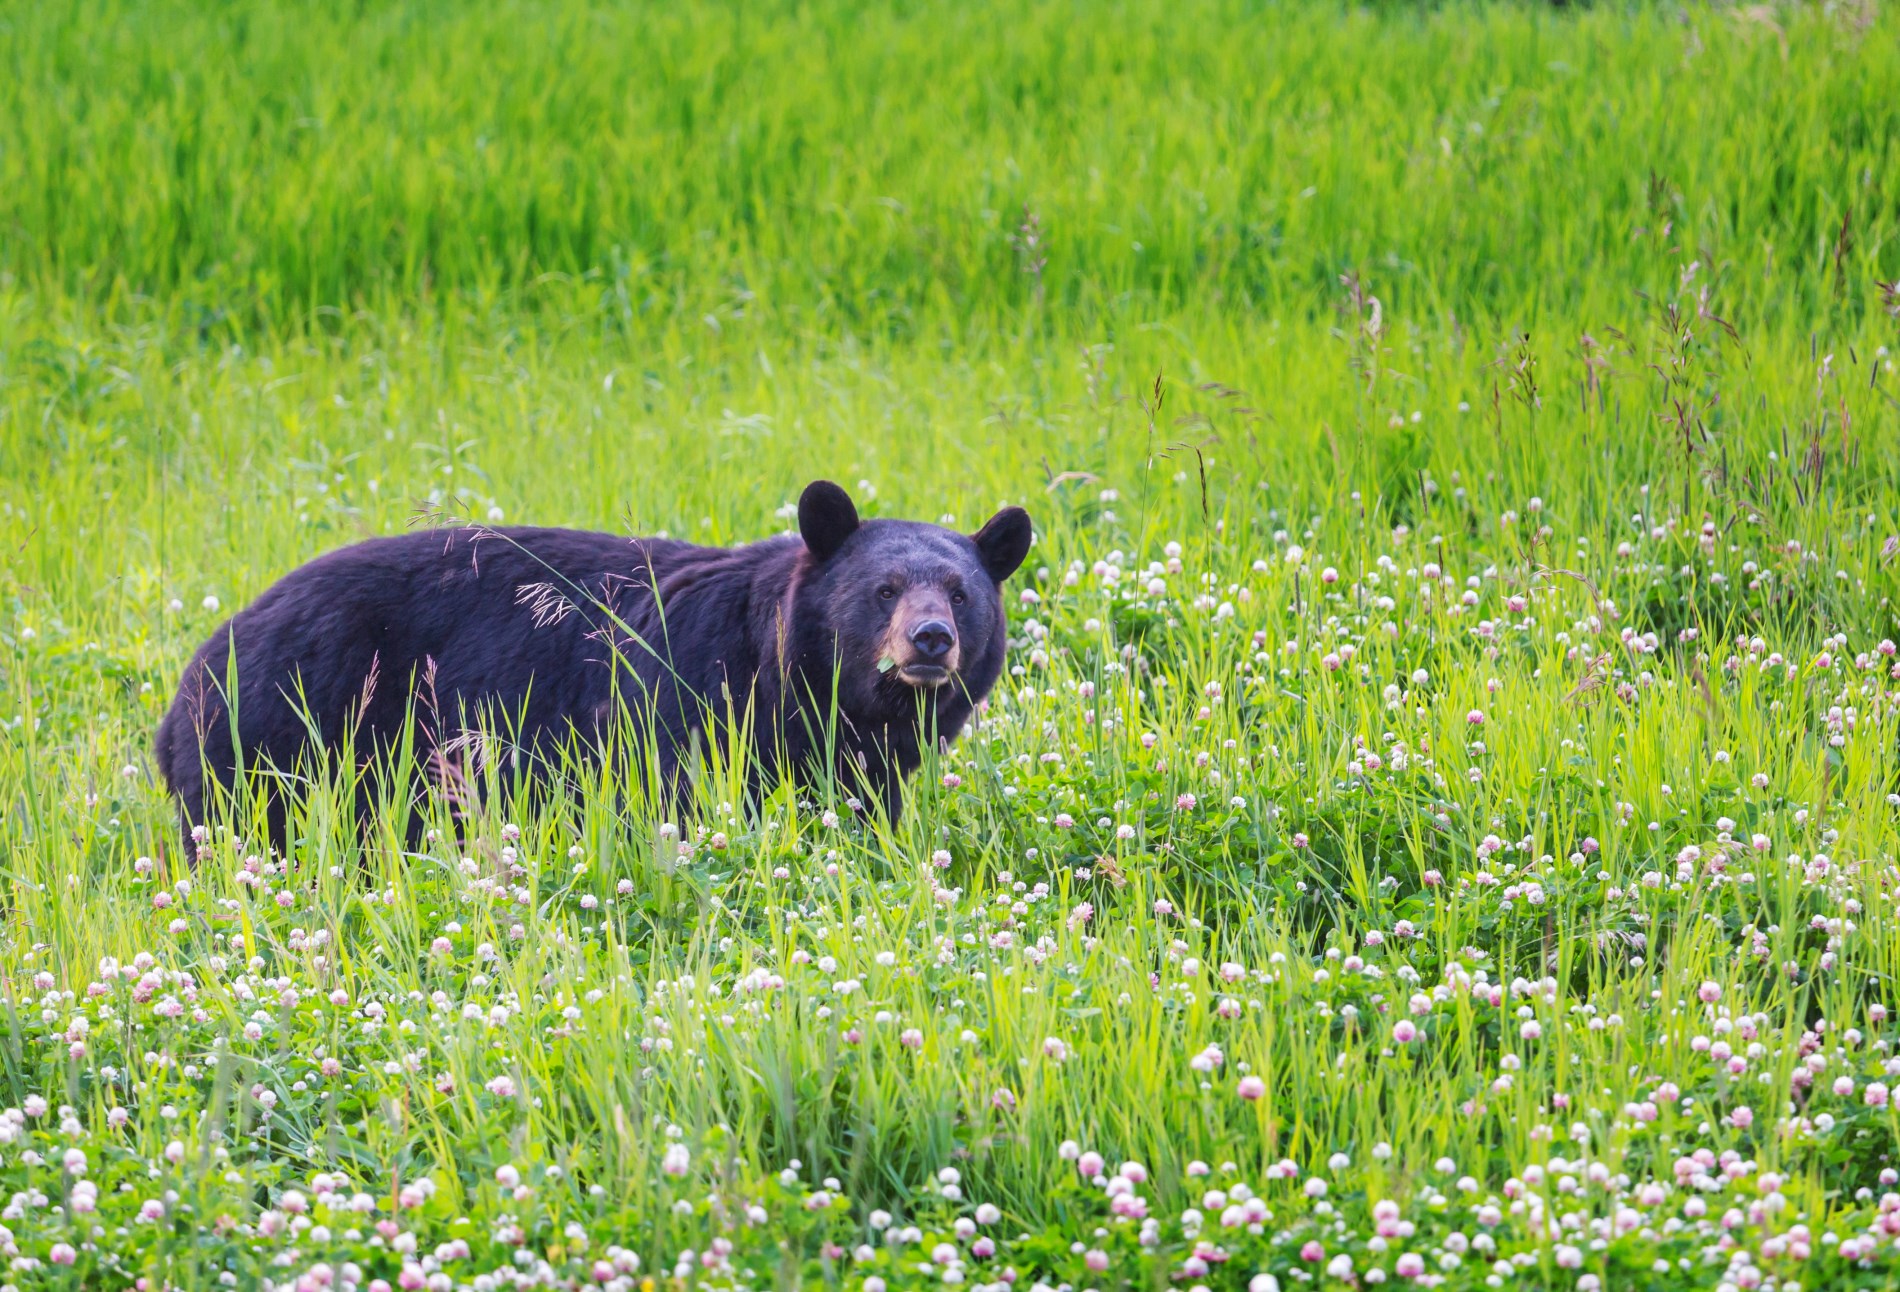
point(861, 170)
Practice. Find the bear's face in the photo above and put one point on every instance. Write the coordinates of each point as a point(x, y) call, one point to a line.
point(913, 610)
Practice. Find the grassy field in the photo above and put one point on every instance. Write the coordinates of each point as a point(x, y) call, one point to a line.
point(1442, 821)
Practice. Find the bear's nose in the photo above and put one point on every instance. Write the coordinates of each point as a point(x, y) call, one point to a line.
point(933, 638)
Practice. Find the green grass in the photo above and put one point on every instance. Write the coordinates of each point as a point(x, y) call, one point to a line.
point(273, 279)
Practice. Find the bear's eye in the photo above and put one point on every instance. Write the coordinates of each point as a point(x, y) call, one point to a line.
point(957, 598)
point(886, 594)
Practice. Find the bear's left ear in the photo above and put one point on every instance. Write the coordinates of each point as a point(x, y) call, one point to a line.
point(1003, 542)
point(826, 517)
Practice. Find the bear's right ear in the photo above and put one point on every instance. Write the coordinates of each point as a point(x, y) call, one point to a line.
point(826, 517)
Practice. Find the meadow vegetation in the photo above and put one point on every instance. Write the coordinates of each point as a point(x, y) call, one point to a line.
point(1439, 825)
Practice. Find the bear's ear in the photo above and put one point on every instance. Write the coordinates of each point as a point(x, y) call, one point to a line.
point(826, 517)
point(1003, 542)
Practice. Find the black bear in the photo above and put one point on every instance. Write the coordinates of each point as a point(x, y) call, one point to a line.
point(854, 641)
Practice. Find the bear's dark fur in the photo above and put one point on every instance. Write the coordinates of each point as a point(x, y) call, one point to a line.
point(861, 639)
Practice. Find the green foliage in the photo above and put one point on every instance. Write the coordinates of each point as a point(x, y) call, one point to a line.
point(1461, 442)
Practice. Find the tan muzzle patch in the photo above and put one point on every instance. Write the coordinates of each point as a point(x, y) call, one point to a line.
point(898, 650)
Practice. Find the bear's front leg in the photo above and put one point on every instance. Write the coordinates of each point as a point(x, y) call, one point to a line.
point(886, 765)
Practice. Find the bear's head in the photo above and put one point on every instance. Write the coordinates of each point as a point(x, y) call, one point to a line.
point(912, 610)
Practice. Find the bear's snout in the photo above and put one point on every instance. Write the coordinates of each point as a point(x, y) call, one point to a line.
point(933, 639)
point(921, 639)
